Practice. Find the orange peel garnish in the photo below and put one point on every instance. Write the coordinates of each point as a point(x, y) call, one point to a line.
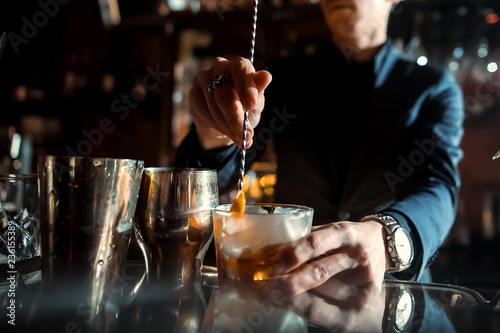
point(238, 206)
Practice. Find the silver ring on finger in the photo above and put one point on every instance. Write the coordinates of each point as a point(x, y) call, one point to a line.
point(217, 81)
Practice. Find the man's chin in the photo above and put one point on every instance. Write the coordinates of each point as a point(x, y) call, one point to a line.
point(342, 23)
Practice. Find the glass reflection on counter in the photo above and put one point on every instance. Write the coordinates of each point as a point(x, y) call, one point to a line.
point(138, 305)
point(335, 306)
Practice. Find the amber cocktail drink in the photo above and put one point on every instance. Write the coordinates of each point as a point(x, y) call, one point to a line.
point(245, 243)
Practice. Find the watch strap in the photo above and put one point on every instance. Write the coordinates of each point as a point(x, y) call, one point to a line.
point(390, 225)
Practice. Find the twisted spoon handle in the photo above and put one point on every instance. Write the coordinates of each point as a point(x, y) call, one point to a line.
point(245, 121)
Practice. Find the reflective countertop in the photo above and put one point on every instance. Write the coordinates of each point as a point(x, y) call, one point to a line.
point(134, 305)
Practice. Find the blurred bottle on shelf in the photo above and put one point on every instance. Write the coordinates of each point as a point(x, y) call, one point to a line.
point(490, 220)
point(21, 142)
point(16, 154)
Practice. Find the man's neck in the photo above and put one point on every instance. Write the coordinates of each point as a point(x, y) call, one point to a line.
point(359, 52)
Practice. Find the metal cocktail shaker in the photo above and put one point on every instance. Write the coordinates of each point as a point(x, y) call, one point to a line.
point(87, 207)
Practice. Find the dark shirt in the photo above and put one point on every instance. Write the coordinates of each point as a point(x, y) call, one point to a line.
point(354, 139)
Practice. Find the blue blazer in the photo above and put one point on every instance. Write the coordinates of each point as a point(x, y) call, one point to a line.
point(353, 139)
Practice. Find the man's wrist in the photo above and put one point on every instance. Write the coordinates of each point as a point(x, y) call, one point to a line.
point(383, 232)
point(399, 246)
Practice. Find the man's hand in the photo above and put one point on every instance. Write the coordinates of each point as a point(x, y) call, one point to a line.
point(340, 307)
point(219, 116)
point(351, 252)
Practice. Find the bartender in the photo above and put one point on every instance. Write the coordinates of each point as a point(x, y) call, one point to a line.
point(368, 139)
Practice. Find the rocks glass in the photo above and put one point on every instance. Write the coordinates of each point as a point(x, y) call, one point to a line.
point(19, 225)
point(242, 241)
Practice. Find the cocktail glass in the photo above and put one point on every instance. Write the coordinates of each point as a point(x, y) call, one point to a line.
point(245, 242)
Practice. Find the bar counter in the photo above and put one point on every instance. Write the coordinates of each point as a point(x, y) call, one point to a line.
point(134, 305)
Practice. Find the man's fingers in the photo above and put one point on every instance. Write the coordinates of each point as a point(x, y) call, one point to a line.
point(227, 100)
point(317, 311)
point(202, 116)
point(312, 246)
point(229, 103)
point(262, 80)
point(199, 109)
point(242, 72)
point(336, 288)
point(220, 66)
point(349, 296)
point(224, 108)
point(202, 81)
point(364, 314)
point(217, 60)
point(221, 105)
point(312, 275)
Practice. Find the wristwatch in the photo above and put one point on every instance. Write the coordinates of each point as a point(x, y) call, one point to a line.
point(399, 310)
point(398, 242)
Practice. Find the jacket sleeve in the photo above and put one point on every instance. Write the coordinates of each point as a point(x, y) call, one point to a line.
point(427, 204)
point(225, 160)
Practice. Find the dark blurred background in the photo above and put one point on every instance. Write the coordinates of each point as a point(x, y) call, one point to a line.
point(111, 78)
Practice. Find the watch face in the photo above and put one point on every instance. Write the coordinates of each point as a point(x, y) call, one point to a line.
point(404, 246)
point(404, 310)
